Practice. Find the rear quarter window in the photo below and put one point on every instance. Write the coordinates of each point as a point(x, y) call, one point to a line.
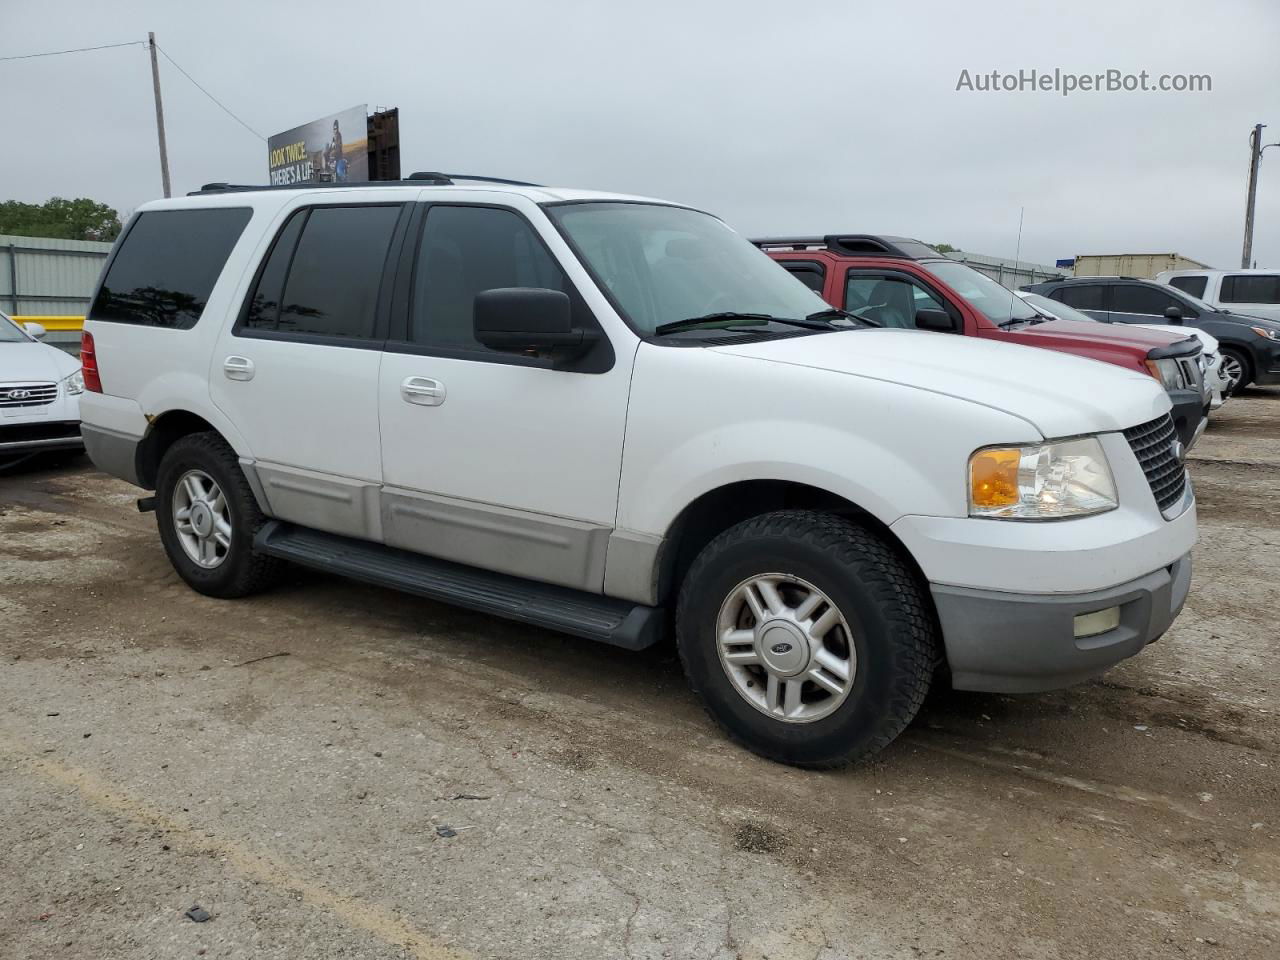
point(166, 266)
point(1251, 288)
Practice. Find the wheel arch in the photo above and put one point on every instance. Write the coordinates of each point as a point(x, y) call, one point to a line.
point(725, 506)
point(1245, 357)
point(163, 431)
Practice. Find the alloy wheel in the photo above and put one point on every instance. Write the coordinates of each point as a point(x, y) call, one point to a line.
point(202, 518)
point(786, 648)
point(1232, 369)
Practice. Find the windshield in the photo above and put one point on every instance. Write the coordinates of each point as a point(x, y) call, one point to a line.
point(1055, 309)
point(665, 264)
point(998, 304)
point(10, 332)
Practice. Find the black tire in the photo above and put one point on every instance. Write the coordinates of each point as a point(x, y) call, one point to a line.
point(242, 571)
point(885, 606)
point(1242, 358)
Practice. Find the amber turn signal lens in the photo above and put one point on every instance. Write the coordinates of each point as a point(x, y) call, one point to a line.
point(993, 478)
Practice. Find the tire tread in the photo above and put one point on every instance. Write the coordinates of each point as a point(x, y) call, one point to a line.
point(881, 571)
point(253, 572)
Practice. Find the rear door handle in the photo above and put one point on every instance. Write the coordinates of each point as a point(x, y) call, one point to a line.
point(423, 391)
point(238, 368)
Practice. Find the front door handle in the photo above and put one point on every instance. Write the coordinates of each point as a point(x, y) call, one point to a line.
point(238, 368)
point(423, 391)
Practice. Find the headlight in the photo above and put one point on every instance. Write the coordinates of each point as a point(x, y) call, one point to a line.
point(1264, 332)
point(74, 383)
point(1047, 481)
point(1168, 372)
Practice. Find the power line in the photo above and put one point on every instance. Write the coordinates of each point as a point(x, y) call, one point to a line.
point(224, 107)
point(58, 53)
point(141, 43)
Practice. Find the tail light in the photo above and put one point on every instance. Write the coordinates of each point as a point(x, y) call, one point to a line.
point(89, 364)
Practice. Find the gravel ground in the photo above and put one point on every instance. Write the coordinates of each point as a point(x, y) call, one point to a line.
point(290, 763)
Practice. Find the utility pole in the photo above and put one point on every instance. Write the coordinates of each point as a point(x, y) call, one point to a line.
point(164, 150)
point(1255, 157)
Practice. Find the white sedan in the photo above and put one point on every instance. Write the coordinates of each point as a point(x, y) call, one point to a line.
point(1215, 378)
point(40, 389)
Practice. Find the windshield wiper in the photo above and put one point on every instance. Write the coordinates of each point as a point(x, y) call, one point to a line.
point(1033, 320)
point(835, 313)
point(714, 319)
point(731, 320)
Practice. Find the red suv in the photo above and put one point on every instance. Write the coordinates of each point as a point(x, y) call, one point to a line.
point(898, 282)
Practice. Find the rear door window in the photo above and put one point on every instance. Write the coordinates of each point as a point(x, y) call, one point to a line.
point(1250, 288)
point(1084, 296)
point(264, 305)
point(324, 273)
point(167, 265)
point(1192, 285)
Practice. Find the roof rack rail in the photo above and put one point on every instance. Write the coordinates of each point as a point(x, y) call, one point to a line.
point(793, 242)
point(856, 244)
point(1106, 276)
point(305, 185)
point(414, 179)
point(455, 177)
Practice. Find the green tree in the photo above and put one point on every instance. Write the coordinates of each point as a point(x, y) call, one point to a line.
point(944, 248)
point(80, 219)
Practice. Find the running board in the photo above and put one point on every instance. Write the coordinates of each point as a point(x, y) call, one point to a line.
point(617, 622)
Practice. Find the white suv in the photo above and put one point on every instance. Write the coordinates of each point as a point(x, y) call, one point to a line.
point(613, 416)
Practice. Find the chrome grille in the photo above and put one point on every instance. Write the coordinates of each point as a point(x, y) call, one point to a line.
point(27, 394)
point(1153, 444)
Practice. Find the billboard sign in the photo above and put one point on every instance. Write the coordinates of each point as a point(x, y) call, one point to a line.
point(332, 148)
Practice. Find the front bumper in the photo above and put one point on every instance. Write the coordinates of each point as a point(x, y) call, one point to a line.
point(1022, 643)
point(1190, 412)
point(1266, 362)
point(39, 435)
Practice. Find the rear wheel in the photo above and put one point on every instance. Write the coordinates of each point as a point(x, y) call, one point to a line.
point(208, 518)
point(1236, 366)
point(807, 637)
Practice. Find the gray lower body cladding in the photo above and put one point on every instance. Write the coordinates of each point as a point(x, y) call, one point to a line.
point(112, 453)
point(1022, 643)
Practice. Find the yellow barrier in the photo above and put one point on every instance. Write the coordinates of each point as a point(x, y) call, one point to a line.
point(53, 323)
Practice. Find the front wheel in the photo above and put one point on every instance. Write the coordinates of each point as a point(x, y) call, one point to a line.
point(1235, 366)
point(208, 518)
point(808, 639)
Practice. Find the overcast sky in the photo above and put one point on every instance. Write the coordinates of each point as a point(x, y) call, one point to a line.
point(782, 118)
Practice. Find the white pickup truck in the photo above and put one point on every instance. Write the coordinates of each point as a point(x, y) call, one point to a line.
point(614, 417)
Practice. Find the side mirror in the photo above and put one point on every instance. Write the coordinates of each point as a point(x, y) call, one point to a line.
point(36, 330)
point(1173, 315)
point(528, 320)
point(930, 319)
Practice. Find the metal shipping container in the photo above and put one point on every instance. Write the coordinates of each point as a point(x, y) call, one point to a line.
point(1141, 265)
